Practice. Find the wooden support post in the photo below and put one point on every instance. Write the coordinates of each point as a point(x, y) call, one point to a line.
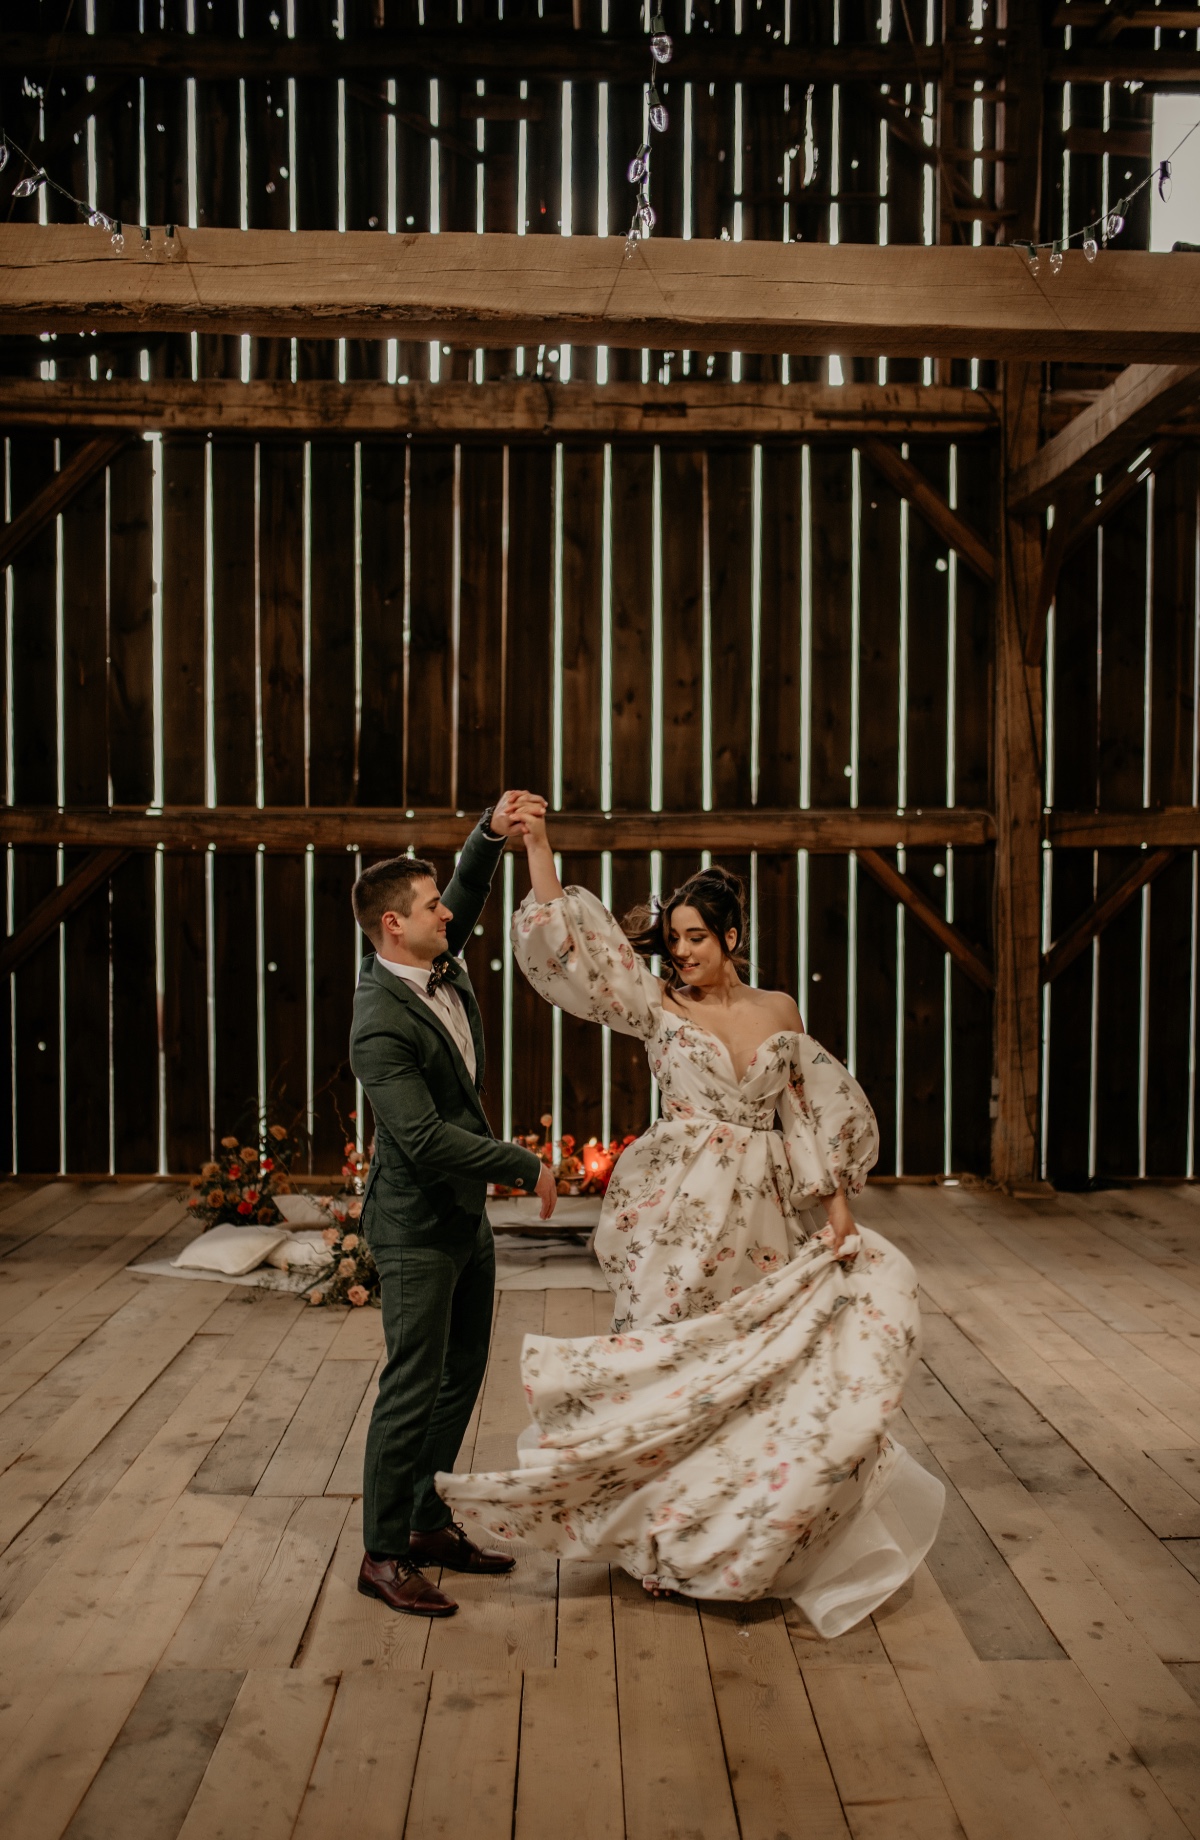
point(960, 949)
point(58, 493)
point(1079, 937)
point(1018, 780)
point(935, 509)
point(51, 912)
point(1121, 420)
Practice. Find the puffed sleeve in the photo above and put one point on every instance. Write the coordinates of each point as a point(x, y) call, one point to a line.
point(830, 1135)
point(576, 956)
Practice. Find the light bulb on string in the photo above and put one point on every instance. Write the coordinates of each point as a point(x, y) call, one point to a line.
point(658, 114)
point(1091, 248)
point(170, 242)
point(639, 166)
point(25, 188)
point(661, 48)
point(1056, 258)
point(118, 237)
point(99, 220)
point(1164, 180)
point(645, 217)
point(3, 155)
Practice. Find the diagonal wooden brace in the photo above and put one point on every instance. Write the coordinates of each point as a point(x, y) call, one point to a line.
point(948, 937)
point(57, 493)
point(1080, 935)
point(51, 912)
point(912, 485)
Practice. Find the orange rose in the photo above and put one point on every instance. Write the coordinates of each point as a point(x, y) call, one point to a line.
point(329, 1235)
point(354, 1210)
point(215, 1197)
point(229, 1143)
point(356, 1295)
point(350, 1242)
point(346, 1268)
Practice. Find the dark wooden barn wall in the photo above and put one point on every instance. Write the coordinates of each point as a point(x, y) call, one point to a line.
point(355, 547)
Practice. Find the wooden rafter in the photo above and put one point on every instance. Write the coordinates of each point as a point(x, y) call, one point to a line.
point(377, 828)
point(948, 937)
point(1078, 514)
point(50, 913)
point(933, 507)
point(1122, 419)
point(57, 493)
point(1175, 827)
point(474, 51)
point(1079, 937)
point(553, 53)
point(755, 411)
point(906, 300)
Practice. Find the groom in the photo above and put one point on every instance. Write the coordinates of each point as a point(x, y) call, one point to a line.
point(417, 1046)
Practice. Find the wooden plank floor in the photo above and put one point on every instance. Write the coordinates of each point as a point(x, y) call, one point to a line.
point(183, 1652)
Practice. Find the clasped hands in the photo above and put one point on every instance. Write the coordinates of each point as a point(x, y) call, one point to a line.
point(518, 814)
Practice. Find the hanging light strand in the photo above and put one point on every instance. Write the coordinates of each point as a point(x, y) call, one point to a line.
point(36, 177)
point(1108, 226)
point(642, 223)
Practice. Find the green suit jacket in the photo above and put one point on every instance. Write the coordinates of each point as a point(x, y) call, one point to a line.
point(434, 1149)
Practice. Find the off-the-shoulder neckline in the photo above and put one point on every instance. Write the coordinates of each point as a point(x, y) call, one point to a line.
point(775, 1035)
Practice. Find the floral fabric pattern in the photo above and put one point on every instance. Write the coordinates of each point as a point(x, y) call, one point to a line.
point(729, 1438)
point(716, 1193)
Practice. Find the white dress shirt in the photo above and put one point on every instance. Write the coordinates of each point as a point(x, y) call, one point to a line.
point(445, 1003)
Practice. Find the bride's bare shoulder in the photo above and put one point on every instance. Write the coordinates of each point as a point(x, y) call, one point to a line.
point(781, 1009)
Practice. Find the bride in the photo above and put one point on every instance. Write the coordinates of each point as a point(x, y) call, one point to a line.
point(729, 1438)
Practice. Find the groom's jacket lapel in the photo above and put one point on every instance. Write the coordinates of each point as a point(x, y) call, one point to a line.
point(415, 1006)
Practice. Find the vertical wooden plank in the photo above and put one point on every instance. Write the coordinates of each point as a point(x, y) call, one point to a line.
point(730, 529)
point(632, 606)
point(85, 774)
point(825, 1012)
point(876, 966)
point(682, 541)
point(334, 758)
point(481, 647)
point(527, 719)
point(387, 726)
point(1018, 741)
point(971, 1008)
point(431, 659)
point(281, 650)
point(185, 1008)
point(779, 710)
point(235, 548)
point(1172, 716)
point(35, 733)
point(131, 765)
point(1122, 684)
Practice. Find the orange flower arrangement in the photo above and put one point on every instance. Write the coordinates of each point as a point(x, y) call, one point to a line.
point(581, 1170)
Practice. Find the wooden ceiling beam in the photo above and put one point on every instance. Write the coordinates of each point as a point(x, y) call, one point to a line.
point(553, 53)
point(1174, 827)
point(49, 914)
point(57, 494)
point(850, 299)
point(933, 507)
point(923, 910)
point(509, 410)
point(1122, 419)
point(1113, 901)
point(381, 830)
point(471, 51)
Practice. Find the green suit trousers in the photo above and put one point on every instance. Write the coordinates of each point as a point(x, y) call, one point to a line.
point(437, 1319)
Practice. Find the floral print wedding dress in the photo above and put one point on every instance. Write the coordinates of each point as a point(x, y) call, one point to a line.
point(729, 1438)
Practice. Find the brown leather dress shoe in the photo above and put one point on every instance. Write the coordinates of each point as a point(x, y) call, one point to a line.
point(398, 1584)
point(450, 1548)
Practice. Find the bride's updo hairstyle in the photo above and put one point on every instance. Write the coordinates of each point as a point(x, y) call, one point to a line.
point(720, 900)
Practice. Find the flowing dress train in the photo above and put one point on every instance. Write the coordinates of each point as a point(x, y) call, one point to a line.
point(729, 1438)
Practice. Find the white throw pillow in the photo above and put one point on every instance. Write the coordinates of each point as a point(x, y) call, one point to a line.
point(302, 1210)
point(231, 1250)
point(302, 1251)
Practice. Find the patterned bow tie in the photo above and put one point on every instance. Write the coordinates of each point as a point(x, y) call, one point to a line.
point(437, 977)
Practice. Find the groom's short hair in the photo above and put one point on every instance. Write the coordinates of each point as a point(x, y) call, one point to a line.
point(387, 887)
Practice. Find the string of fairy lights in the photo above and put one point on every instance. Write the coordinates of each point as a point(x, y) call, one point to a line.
point(1092, 236)
point(36, 177)
point(642, 223)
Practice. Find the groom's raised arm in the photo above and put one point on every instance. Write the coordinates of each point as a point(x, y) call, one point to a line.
point(471, 882)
